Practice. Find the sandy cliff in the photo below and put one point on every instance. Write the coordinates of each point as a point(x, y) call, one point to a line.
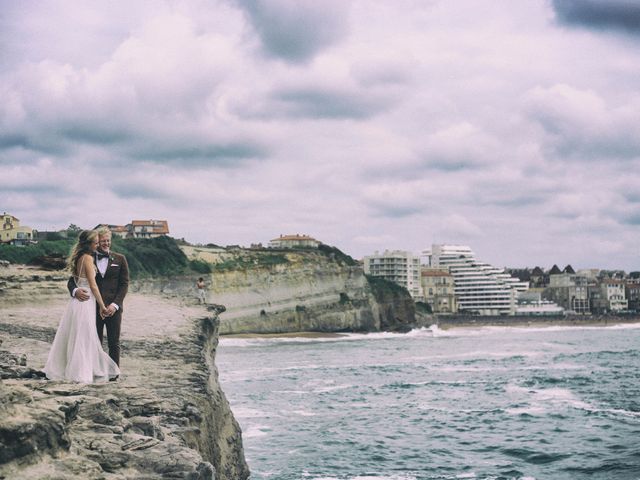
point(165, 418)
point(270, 291)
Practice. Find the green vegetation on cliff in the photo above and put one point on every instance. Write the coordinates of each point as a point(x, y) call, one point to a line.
point(147, 257)
point(150, 257)
point(382, 287)
point(25, 254)
point(337, 254)
point(162, 256)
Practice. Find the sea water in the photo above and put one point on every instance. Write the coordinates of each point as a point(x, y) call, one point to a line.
point(488, 403)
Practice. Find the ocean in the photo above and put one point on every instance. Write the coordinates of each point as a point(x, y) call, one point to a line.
point(484, 403)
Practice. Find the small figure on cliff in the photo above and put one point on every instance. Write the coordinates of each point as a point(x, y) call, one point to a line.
point(201, 290)
point(112, 278)
point(76, 353)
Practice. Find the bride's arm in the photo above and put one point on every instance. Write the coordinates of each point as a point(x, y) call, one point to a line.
point(91, 277)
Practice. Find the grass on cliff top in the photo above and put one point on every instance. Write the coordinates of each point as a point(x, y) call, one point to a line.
point(162, 256)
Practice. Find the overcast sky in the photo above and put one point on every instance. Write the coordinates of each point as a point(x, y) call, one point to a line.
point(511, 127)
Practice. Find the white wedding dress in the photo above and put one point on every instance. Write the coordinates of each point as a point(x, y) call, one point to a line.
point(76, 353)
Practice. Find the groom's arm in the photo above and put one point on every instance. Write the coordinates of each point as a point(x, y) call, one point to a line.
point(123, 282)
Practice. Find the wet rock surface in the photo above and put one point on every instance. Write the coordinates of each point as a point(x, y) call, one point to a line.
point(166, 417)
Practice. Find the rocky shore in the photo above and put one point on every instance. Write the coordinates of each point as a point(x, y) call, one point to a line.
point(166, 417)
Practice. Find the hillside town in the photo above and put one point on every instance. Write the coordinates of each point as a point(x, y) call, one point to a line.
point(446, 279)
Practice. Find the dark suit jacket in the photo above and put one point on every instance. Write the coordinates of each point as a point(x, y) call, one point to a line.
point(115, 283)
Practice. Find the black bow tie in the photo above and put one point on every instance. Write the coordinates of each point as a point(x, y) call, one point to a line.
point(100, 256)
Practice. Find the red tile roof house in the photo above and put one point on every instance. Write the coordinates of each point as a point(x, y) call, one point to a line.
point(148, 228)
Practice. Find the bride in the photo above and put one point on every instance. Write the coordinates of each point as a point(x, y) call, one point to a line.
point(76, 353)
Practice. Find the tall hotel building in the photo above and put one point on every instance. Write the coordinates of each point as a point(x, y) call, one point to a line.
point(479, 288)
point(397, 266)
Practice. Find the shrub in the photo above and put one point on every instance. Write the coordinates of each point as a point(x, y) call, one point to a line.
point(200, 266)
point(148, 257)
point(337, 254)
point(25, 254)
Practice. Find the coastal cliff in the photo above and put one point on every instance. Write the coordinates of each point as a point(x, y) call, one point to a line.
point(285, 291)
point(166, 417)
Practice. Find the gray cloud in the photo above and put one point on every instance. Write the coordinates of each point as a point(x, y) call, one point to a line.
point(196, 153)
point(46, 143)
point(632, 197)
point(140, 190)
point(38, 188)
point(296, 30)
point(444, 164)
point(389, 210)
point(95, 132)
point(633, 219)
point(580, 125)
point(621, 15)
point(327, 103)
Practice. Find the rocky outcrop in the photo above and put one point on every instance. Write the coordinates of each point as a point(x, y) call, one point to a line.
point(166, 417)
point(397, 308)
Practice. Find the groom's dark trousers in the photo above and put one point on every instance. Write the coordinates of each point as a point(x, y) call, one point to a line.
point(113, 287)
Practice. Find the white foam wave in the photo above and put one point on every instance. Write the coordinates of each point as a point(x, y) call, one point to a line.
point(303, 413)
point(255, 431)
point(541, 400)
point(432, 331)
point(365, 477)
point(245, 412)
point(492, 329)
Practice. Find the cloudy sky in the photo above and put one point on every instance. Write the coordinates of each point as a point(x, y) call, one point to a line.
point(512, 127)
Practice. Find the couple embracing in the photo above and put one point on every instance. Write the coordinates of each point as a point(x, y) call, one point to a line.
point(98, 285)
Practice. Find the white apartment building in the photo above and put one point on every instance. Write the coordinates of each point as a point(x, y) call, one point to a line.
point(479, 287)
point(396, 266)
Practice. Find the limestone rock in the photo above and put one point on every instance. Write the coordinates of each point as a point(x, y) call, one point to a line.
point(166, 417)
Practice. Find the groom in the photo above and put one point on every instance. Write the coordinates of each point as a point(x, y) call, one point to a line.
point(113, 282)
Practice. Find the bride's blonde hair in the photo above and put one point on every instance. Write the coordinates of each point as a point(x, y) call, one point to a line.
point(82, 246)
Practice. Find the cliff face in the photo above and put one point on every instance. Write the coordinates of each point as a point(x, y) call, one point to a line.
point(288, 291)
point(165, 418)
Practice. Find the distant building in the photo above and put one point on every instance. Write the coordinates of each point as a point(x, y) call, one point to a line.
point(400, 267)
point(13, 233)
point(538, 278)
point(147, 228)
point(438, 290)
point(568, 290)
point(632, 292)
point(138, 229)
point(608, 295)
point(480, 288)
point(294, 241)
point(530, 303)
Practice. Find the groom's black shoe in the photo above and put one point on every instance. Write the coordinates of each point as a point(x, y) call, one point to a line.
point(113, 379)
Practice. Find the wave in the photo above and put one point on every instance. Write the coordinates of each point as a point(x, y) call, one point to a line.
point(255, 431)
point(306, 476)
point(434, 331)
